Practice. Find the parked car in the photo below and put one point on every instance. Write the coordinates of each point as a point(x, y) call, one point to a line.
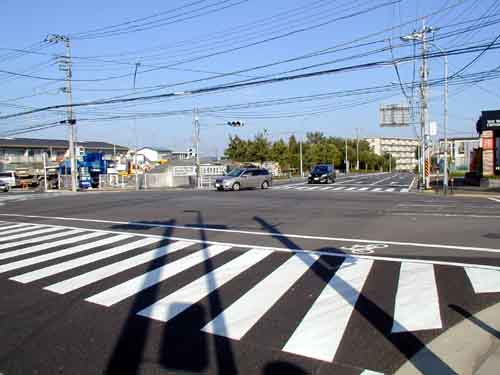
point(4, 186)
point(322, 173)
point(9, 178)
point(244, 178)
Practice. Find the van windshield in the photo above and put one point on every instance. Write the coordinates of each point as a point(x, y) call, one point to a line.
point(235, 172)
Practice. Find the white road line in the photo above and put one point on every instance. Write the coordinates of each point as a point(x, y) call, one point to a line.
point(390, 190)
point(41, 239)
point(338, 188)
point(363, 189)
point(370, 372)
point(404, 190)
point(175, 303)
point(313, 188)
point(91, 277)
point(25, 229)
point(28, 234)
point(2, 229)
point(417, 301)
point(61, 253)
point(235, 321)
point(475, 216)
point(326, 188)
point(78, 262)
point(484, 281)
point(321, 330)
point(47, 246)
point(376, 189)
point(133, 286)
point(350, 189)
point(255, 233)
point(381, 180)
point(494, 199)
point(412, 183)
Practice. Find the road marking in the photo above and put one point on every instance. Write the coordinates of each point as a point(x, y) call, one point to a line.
point(235, 321)
point(376, 189)
point(27, 234)
point(379, 181)
point(412, 183)
point(40, 239)
point(370, 372)
point(417, 301)
point(326, 188)
point(58, 254)
point(175, 303)
point(47, 246)
point(494, 199)
point(484, 281)
point(404, 190)
point(25, 229)
point(363, 189)
point(276, 235)
point(350, 189)
point(91, 277)
point(321, 330)
point(2, 229)
point(78, 262)
point(476, 216)
point(390, 190)
point(338, 188)
point(137, 284)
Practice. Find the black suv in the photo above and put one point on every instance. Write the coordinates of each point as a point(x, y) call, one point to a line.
point(322, 173)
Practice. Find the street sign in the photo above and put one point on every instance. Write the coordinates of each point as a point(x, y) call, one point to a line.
point(394, 115)
point(183, 171)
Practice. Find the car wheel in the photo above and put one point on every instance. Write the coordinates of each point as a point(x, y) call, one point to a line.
point(236, 186)
point(265, 185)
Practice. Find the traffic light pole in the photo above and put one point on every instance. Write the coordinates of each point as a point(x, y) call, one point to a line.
point(196, 124)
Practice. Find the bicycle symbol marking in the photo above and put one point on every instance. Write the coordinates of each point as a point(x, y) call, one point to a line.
point(364, 248)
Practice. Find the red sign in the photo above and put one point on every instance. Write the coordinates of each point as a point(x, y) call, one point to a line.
point(488, 143)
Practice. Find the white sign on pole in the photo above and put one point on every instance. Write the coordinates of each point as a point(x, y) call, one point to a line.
point(185, 170)
point(433, 128)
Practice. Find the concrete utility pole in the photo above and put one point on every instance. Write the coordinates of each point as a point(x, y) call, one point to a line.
point(135, 134)
point(196, 124)
point(44, 156)
point(357, 149)
point(66, 66)
point(300, 153)
point(425, 151)
point(346, 159)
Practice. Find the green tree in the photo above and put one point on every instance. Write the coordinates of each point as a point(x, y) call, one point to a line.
point(237, 149)
point(279, 153)
point(259, 149)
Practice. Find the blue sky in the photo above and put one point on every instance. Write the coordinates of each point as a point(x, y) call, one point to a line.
point(22, 24)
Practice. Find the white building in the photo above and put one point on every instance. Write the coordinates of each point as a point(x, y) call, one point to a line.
point(403, 150)
point(190, 153)
point(154, 155)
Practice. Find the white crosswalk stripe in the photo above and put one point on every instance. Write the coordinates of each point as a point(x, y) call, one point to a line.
point(237, 319)
point(417, 301)
point(319, 332)
point(129, 288)
point(18, 230)
point(28, 233)
point(45, 246)
point(78, 262)
point(367, 189)
point(175, 303)
point(4, 228)
point(48, 237)
point(91, 277)
point(58, 254)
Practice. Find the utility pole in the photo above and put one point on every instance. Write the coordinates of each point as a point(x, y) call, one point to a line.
point(135, 134)
point(346, 159)
point(390, 162)
point(44, 156)
point(66, 66)
point(357, 149)
point(300, 153)
point(196, 124)
point(425, 151)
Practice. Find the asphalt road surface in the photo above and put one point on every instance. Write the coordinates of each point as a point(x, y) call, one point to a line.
point(278, 281)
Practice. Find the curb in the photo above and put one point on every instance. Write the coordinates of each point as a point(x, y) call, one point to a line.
point(469, 346)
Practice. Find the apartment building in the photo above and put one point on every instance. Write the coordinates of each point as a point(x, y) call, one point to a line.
point(403, 150)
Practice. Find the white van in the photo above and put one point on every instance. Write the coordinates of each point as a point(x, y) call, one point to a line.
point(9, 178)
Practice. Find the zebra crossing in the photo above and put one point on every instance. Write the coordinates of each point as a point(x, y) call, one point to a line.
point(49, 251)
point(347, 188)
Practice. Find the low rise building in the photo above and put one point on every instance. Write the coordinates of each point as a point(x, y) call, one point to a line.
point(459, 151)
point(402, 150)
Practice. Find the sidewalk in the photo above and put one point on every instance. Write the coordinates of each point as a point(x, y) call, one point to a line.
point(472, 347)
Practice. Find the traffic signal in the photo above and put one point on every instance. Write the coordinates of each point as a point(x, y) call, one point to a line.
point(236, 124)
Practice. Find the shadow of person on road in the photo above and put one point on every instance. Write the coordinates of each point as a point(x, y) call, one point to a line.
point(408, 344)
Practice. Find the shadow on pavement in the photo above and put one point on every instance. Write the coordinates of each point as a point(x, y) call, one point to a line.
point(476, 321)
point(371, 311)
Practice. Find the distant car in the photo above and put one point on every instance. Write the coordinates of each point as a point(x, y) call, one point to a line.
point(4, 186)
point(9, 178)
point(244, 178)
point(322, 174)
